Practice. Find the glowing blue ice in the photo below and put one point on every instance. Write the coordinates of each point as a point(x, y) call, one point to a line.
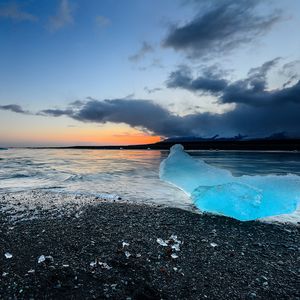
point(216, 190)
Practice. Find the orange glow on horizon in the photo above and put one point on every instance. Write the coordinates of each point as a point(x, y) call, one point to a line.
point(107, 136)
point(44, 132)
point(83, 136)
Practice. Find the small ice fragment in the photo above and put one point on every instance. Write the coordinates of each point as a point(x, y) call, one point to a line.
point(176, 247)
point(4, 274)
point(66, 266)
point(101, 264)
point(173, 255)
point(124, 244)
point(113, 286)
point(41, 259)
point(173, 237)
point(175, 269)
point(31, 271)
point(44, 258)
point(93, 264)
point(213, 245)
point(104, 265)
point(127, 254)
point(8, 255)
point(139, 255)
point(49, 258)
point(162, 242)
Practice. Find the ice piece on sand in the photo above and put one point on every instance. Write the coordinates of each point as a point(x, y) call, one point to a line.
point(41, 259)
point(216, 190)
point(162, 242)
point(97, 263)
point(186, 173)
point(47, 259)
point(243, 202)
point(8, 255)
point(124, 244)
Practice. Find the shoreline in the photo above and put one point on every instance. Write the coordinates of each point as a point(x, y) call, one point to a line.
point(30, 204)
point(218, 257)
point(289, 144)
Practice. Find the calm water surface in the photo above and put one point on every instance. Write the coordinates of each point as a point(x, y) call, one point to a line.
point(132, 174)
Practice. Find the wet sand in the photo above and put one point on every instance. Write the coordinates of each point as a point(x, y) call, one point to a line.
point(218, 257)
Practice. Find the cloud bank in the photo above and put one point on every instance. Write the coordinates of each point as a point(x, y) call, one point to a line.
point(14, 108)
point(251, 91)
point(219, 27)
point(258, 111)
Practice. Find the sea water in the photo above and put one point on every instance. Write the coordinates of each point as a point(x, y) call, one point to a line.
point(131, 174)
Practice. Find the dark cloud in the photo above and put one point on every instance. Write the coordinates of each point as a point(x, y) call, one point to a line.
point(290, 72)
point(136, 113)
point(182, 78)
point(220, 27)
point(252, 90)
point(77, 103)
point(252, 120)
point(257, 111)
point(14, 108)
point(145, 114)
point(145, 48)
point(56, 112)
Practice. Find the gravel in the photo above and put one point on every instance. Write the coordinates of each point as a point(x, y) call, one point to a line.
point(129, 251)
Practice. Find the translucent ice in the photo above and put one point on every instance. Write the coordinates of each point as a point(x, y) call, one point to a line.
point(216, 190)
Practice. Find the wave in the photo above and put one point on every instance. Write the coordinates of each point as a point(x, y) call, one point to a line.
point(18, 175)
point(76, 177)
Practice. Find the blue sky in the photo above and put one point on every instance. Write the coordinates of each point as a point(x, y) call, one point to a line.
point(55, 52)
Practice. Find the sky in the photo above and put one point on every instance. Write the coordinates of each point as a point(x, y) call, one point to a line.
point(112, 72)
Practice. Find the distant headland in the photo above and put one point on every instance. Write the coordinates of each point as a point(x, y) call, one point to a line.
point(215, 143)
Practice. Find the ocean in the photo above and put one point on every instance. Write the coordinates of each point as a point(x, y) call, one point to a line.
point(129, 174)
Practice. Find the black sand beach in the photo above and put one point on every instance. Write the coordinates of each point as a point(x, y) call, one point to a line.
point(219, 258)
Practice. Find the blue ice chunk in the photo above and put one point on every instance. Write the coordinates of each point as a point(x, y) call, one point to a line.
point(216, 190)
point(242, 201)
point(183, 171)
